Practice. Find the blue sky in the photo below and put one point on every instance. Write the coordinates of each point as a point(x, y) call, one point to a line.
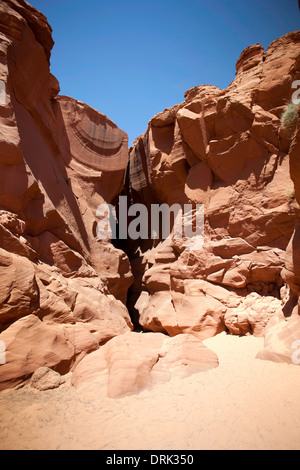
point(132, 59)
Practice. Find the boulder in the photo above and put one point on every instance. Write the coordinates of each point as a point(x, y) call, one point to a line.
point(281, 343)
point(46, 379)
point(132, 362)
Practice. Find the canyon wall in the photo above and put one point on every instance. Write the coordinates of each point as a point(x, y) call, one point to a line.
point(69, 301)
point(227, 150)
point(62, 291)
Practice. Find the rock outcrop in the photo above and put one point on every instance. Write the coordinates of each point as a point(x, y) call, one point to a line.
point(227, 150)
point(62, 291)
point(282, 335)
point(132, 362)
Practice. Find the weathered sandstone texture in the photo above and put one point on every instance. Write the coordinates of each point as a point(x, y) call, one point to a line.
point(282, 333)
point(46, 379)
point(131, 362)
point(225, 149)
point(62, 292)
point(65, 294)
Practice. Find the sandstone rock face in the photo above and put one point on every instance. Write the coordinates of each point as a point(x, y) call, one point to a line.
point(62, 291)
point(224, 149)
point(132, 362)
point(282, 334)
point(282, 340)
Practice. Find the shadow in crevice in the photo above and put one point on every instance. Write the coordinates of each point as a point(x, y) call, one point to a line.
point(290, 305)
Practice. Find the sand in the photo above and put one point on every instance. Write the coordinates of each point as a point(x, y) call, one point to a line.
point(245, 403)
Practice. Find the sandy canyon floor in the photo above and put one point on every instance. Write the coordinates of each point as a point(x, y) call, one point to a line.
point(245, 403)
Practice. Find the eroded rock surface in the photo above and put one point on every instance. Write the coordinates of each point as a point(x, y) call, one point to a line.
point(62, 291)
point(225, 149)
point(282, 335)
point(132, 362)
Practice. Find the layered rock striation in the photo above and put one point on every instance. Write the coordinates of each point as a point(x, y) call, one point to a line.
point(62, 291)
